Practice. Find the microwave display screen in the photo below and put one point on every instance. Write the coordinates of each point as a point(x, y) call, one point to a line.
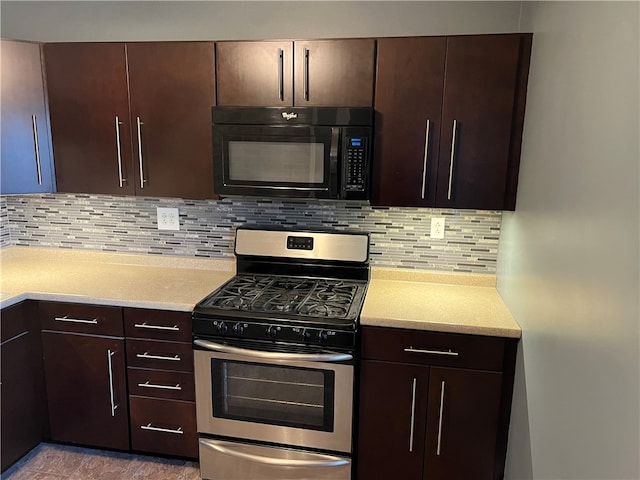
point(356, 142)
point(279, 162)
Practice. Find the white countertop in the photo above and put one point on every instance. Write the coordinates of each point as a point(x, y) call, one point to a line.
point(458, 303)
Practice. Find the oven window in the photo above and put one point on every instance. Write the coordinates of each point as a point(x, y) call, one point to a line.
point(276, 395)
point(286, 162)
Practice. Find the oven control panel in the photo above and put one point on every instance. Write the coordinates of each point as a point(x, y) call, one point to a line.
point(276, 332)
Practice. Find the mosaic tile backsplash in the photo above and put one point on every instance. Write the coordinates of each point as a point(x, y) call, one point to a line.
point(400, 237)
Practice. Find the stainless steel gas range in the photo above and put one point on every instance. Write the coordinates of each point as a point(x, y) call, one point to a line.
point(275, 354)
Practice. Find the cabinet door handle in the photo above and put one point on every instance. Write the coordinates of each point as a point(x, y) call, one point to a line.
point(424, 161)
point(281, 74)
point(111, 392)
point(75, 320)
point(175, 328)
point(438, 447)
point(161, 387)
point(149, 426)
point(36, 147)
point(453, 155)
point(175, 358)
point(432, 352)
point(306, 74)
point(140, 123)
point(121, 179)
point(413, 413)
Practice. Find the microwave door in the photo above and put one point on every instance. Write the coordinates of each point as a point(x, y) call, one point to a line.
point(276, 161)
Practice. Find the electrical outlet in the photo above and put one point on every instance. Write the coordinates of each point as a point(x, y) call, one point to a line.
point(437, 227)
point(168, 218)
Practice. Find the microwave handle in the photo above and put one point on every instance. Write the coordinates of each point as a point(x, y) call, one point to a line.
point(333, 162)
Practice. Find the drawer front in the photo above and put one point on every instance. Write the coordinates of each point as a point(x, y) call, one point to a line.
point(431, 348)
point(13, 321)
point(167, 427)
point(161, 384)
point(160, 355)
point(90, 319)
point(158, 324)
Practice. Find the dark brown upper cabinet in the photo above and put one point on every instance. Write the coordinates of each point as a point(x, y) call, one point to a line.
point(449, 116)
point(299, 73)
point(132, 118)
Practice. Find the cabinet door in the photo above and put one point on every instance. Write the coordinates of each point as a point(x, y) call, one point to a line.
point(89, 109)
point(334, 73)
point(22, 384)
point(462, 424)
point(26, 165)
point(408, 102)
point(393, 399)
point(172, 88)
point(86, 389)
point(254, 74)
point(477, 118)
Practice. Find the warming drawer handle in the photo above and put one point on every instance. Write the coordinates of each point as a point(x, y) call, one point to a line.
point(323, 460)
point(433, 352)
point(162, 387)
point(175, 328)
point(75, 320)
point(175, 358)
point(309, 357)
point(148, 426)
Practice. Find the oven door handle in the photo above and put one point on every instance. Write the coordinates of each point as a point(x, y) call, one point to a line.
point(308, 357)
point(322, 461)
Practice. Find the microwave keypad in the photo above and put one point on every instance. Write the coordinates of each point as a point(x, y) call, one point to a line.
point(355, 164)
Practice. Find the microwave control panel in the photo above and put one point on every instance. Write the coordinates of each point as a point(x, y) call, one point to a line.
point(356, 162)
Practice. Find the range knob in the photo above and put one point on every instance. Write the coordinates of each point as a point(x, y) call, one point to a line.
point(305, 334)
point(222, 328)
point(323, 336)
point(238, 329)
point(272, 332)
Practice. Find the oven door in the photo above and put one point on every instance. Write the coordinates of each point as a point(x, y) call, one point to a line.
point(293, 399)
point(276, 160)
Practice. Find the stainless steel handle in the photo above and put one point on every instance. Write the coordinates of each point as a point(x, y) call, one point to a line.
point(119, 152)
point(453, 152)
point(424, 161)
point(413, 413)
point(309, 357)
point(164, 430)
point(111, 394)
point(440, 418)
point(75, 320)
point(281, 74)
point(432, 352)
point(161, 387)
point(142, 180)
point(175, 358)
point(175, 328)
point(306, 74)
point(36, 147)
point(227, 449)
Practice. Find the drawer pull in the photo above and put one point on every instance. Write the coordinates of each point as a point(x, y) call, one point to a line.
point(175, 358)
point(75, 320)
point(433, 352)
point(163, 387)
point(164, 430)
point(175, 328)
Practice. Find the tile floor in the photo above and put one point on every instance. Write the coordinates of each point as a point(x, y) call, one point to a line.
point(61, 462)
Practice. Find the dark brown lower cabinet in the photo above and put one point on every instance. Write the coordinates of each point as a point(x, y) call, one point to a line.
point(422, 416)
point(22, 400)
point(86, 389)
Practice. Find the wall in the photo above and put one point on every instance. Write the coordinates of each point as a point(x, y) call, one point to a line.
point(569, 256)
point(186, 20)
point(399, 236)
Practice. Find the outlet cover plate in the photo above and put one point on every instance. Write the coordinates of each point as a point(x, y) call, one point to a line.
point(437, 227)
point(168, 218)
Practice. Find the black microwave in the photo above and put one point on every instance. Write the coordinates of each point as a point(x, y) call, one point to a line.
point(296, 152)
